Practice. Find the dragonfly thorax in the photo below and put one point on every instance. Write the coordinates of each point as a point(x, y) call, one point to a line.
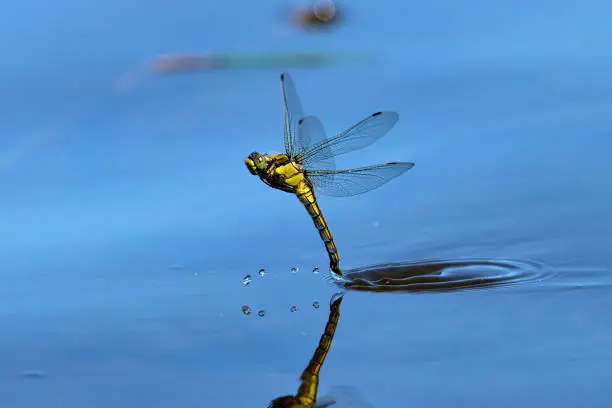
point(277, 170)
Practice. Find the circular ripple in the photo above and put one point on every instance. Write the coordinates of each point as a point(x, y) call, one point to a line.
point(443, 275)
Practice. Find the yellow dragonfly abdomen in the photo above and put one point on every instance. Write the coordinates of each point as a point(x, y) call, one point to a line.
point(305, 194)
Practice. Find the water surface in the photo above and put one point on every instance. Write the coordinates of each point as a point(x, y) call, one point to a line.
point(128, 218)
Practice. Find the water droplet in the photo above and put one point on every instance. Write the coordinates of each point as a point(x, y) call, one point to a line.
point(315, 269)
point(246, 310)
point(293, 309)
point(246, 280)
point(315, 305)
point(261, 313)
point(294, 270)
point(262, 272)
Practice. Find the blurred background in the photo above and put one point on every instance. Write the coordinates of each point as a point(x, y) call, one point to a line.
point(128, 219)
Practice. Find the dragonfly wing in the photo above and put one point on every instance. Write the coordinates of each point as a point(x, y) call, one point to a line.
point(292, 113)
point(343, 396)
point(346, 183)
point(361, 134)
point(310, 132)
point(325, 402)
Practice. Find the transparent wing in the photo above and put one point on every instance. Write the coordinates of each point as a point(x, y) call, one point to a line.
point(310, 132)
point(343, 396)
point(359, 135)
point(292, 111)
point(345, 183)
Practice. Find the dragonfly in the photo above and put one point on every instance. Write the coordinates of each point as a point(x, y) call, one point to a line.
point(306, 396)
point(307, 167)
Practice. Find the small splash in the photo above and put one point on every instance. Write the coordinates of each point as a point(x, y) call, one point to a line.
point(246, 310)
point(293, 309)
point(442, 275)
point(262, 272)
point(315, 305)
point(294, 270)
point(335, 297)
point(247, 280)
point(261, 313)
point(315, 270)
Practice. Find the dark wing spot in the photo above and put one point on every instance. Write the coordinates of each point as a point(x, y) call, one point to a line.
point(300, 121)
point(377, 113)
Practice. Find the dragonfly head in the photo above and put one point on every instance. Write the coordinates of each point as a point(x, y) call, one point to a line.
point(256, 163)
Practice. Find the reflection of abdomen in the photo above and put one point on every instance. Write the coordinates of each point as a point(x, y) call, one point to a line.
point(307, 393)
point(306, 195)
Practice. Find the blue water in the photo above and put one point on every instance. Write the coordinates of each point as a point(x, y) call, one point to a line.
point(128, 218)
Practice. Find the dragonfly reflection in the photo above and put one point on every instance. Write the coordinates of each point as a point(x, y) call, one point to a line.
point(306, 396)
point(308, 162)
point(339, 396)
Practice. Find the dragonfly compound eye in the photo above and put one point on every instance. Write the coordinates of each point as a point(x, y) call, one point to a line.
point(256, 163)
point(251, 165)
